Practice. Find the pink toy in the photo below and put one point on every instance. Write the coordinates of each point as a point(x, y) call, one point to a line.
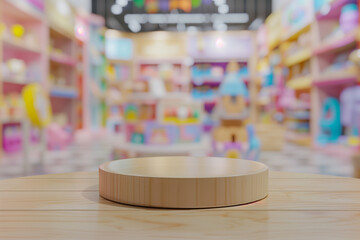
point(12, 138)
point(58, 138)
point(287, 99)
point(350, 110)
point(349, 17)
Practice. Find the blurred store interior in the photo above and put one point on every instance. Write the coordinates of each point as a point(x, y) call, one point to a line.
point(84, 82)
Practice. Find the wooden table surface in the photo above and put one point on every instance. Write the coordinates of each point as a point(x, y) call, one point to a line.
point(68, 206)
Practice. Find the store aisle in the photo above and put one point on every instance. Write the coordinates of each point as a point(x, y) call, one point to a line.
point(305, 160)
point(291, 159)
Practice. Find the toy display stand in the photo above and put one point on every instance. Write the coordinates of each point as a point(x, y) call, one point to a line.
point(162, 124)
point(183, 182)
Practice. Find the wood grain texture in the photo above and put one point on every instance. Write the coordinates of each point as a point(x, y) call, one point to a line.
point(91, 184)
point(183, 182)
point(180, 224)
point(299, 206)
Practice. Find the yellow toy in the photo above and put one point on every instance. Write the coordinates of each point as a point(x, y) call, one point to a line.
point(37, 105)
point(18, 30)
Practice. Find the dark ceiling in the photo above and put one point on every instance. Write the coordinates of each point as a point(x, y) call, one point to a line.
point(256, 10)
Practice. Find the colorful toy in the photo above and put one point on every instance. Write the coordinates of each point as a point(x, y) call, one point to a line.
point(233, 138)
point(37, 105)
point(12, 138)
point(189, 133)
point(15, 105)
point(158, 134)
point(330, 125)
point(18, 30)
point(114, 119)
point(131, 113)
point(163, 122)
point(15, 69)
point(137, 138)
point(185, 114)
point(253, 151)
point(349, 17)
point(350, 113)
point(58, 137)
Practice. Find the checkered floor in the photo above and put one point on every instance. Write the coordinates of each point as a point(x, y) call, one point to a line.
point(88, 158)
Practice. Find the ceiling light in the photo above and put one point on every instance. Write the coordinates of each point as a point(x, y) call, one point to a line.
point(122, 3)
point(223, 9)
point(180, 27)
point(219, 2)
point(134, 26)
point(255, 25)
point(116, 9)
point(189, 18)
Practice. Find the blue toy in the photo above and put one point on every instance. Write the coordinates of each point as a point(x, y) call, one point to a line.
point(233, 138)
point(330, 124)
point(254, 144)
point(233, 86)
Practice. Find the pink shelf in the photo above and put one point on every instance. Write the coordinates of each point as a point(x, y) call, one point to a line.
point(335, 10)
point(62, 59)
point(336, 45)
point(19, 45)
point(22, 11)
point(335, 81)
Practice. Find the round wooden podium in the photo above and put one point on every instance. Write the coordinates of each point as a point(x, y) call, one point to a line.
point(183, 182)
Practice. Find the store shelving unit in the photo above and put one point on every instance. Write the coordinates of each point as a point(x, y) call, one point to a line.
point(268, 83)
point(297, 54)
point(22, 62)
point(317, 42)
point(177, 81)
point(333, 71)
point(62, 62)
point(94, 65)
point(211, 52)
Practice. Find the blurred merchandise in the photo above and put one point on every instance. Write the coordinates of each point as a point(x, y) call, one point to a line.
point(234, 137)
point(151, 82)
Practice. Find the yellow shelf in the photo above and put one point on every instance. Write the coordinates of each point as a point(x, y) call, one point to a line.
point(181, 121)
point(299, 83)
point(298, 57)
point(297, 34)
point(337, 76)
point(61, 32)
